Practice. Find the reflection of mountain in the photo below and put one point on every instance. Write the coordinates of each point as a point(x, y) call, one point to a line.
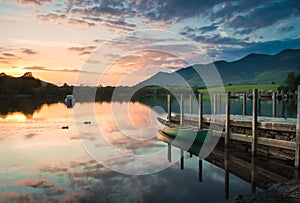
point(254, 68)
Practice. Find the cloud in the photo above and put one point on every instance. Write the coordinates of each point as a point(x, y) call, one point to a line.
point(87, 50)
point(286, 28)
point(31, 2)
point(41, 68)
point(209, 28)
point(28, 51)
point(52, 17)
point(74, 21)
point(8, 54)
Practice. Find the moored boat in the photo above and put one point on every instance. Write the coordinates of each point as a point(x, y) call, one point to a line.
point(174, 130)
point(70, 101)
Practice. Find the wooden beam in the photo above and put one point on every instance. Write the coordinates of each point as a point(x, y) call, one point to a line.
point(200, 111)
point(169, 107)
point(297, 151)
point(254, 123)
point(181, 110)
point(191, 103)
point(227, 124)
point(244, 104)
point(274, 104)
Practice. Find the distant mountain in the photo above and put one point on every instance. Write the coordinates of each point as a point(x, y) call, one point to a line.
point(252, 69)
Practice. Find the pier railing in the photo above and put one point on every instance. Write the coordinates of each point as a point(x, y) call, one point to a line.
point(254, 125)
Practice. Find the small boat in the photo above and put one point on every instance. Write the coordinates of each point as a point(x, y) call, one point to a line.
point(174, 130)
point(70, 101)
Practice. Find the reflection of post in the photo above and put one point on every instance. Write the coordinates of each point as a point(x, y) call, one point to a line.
point(181, 109)
point(254, 123)
point(274, 104)
point(244, 104)
point(200, 170)
point(200, 111)
point(169, 107)
point(253, 187)
point(169, 152)
point(215, 104)
point(226, 174)
point(191, 103)
point(297, 151)
point(227, 125)
point(182, 160)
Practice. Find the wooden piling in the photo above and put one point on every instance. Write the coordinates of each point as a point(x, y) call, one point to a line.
point(227, 124)
point(254, 123)
point(274, 104)
point(215, 104)
point(253, 185)
point(297, 151)
point(200, 111)
point(219, 104)
point(181, 110)
point(169, 107)
point(244, 104)
point(258, 103)
point(191, 103)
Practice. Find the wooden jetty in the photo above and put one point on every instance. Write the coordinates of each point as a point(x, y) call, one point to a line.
point(272, 137)
point(258, 171)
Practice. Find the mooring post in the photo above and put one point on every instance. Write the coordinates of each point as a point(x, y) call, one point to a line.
point(253, 186)
point(215, 103)
point(220, 104)
point(191, 103)
point(274, 104)
point(244, 104)
point(169, 108)
point(254, 123)
point(258, 103)
point(181, 110)
point(200, 170)
point(200, 111)
point(227, 124)
point(297, 151)
point(282, 105)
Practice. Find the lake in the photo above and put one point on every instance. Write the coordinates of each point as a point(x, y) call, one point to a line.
point(48, 153)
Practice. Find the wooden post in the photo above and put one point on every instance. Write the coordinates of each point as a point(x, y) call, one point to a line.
point(181, 110)
point(169, 108)
point(227, 124)
point(200, 111)
point(182, 160)
point(297, 151)
point(219, 104)
point(283, 107)
point(254, 123)
point(191, 103)
point(244, 104)
point(274, 104)
point(215, 104)
point(258, 103)
point(200, 170)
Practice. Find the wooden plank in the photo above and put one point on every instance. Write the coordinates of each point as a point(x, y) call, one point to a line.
point(240, 137)
point(254, 123)
point(215, 104)
point(181, 110)
point(191, 103)
point(244, 104)
point(200, 111)
point(227, 124)
point(169, 107)
point(297, 151)
point(274, 104)
point(276, 143)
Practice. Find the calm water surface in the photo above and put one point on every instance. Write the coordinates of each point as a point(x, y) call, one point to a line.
point(40, 161)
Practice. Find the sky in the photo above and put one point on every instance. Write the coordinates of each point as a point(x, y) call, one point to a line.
point(110, 42)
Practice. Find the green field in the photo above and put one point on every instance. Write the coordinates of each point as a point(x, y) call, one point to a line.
point(242, 88)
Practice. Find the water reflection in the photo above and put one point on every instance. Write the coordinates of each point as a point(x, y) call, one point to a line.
point(41, 162)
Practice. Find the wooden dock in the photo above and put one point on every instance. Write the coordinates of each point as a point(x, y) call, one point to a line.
point(269, 136)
